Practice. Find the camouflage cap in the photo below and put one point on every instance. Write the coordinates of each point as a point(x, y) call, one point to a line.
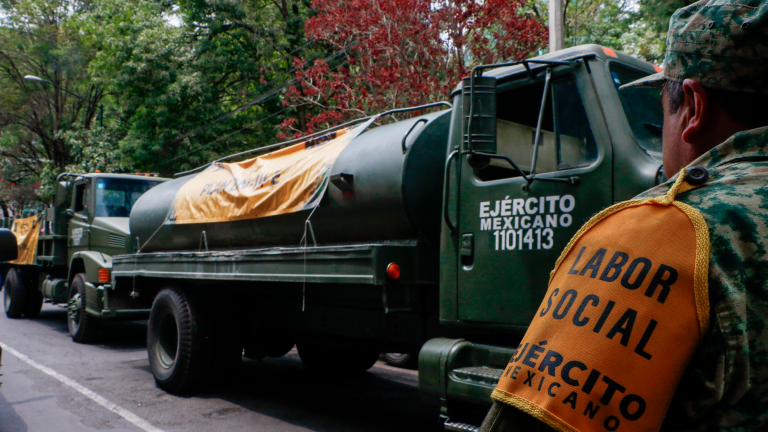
point(721, 43)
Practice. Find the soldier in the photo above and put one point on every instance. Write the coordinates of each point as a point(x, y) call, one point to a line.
point(656, 316)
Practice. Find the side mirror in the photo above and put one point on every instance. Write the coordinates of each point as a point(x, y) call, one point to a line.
point(70, 213)
point(481, 100)
point(8, 249)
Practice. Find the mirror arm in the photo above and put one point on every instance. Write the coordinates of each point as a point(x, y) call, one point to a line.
point(547, 85)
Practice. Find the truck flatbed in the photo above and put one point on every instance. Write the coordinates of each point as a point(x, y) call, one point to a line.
point(348, 264)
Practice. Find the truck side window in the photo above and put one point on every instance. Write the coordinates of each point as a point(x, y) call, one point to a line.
point(574, 140)
point(566, 140)
point(642, 107)
point(81, 198)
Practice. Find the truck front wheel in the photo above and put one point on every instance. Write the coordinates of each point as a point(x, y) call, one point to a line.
point(177, 341)
point(82, 327)
point(14, 294)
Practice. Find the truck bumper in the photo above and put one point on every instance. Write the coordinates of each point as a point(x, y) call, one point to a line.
point(459, 376)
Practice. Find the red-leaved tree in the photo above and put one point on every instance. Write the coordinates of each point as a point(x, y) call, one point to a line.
point(399, 53)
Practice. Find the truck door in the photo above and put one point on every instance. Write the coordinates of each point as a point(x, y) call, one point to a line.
point(79, 226)
point(511, 233)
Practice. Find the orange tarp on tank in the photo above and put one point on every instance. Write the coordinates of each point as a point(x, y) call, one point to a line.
point(26, 231)
point(285, 181)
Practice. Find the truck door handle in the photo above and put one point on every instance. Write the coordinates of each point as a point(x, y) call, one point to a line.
point(446, 189)
point(467, 251)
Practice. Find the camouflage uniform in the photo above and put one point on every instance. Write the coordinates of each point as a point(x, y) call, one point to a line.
point(726, 385)
point(724, 45)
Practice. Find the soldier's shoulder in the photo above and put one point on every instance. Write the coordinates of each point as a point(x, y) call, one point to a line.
point(740, 186)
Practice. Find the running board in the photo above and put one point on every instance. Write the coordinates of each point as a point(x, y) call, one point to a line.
point(460, 427)
point(459, 377)
point(478, 375)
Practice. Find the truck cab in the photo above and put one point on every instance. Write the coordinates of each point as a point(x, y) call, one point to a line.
point(77, 237)
point(512, 204)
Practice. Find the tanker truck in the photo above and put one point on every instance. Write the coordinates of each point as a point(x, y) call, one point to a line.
point(432, 235)
point(65, 253)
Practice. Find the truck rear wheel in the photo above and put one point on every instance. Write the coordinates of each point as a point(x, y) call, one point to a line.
point(82, 327)
point(402, 360)
point(178, 341)
point(337, 355)
point(14, 294)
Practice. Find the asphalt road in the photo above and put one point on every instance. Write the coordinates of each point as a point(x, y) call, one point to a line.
point(50, 383)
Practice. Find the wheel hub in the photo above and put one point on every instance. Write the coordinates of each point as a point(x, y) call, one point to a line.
point(167, 344)
point(74, 307)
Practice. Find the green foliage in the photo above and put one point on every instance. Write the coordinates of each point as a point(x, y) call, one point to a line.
point(187, 93)
point(183, 82)
point(37, 37)
point(633, 26)
point(649, 34)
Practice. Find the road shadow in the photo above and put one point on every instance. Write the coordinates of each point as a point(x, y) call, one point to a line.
point(9, 420)
point(112, 335)
point(282, 388)
point(52, 317)
point(122, 335)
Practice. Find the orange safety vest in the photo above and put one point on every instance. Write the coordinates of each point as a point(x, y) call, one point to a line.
point(627, 307)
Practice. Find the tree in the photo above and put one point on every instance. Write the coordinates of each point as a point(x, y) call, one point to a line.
point(633, 26)
point(37, 38)
point(208, 86)
point(648, 33)
point(397, 53)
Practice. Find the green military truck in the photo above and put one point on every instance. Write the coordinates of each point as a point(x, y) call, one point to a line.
point(66, 252)
point(432, 235)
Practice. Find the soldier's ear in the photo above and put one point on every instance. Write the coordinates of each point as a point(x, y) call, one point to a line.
point(696, 111)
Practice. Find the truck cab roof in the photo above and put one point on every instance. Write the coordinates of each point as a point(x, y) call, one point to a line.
point(577, 52)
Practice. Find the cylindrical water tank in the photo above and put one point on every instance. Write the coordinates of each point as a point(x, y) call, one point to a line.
point(397, 196)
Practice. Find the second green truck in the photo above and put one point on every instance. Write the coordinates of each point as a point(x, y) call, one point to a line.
point(71, 262)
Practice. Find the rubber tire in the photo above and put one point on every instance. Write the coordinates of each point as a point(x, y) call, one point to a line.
point(337, 356)
point(402, 360)
point(14, 294)
point(86, 330)
point(192, 360)
point(34, 303)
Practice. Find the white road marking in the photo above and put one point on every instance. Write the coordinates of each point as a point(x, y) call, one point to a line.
point(131, 417)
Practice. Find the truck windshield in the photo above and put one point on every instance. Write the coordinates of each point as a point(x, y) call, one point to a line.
point(115, 197)
point(642, 106)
